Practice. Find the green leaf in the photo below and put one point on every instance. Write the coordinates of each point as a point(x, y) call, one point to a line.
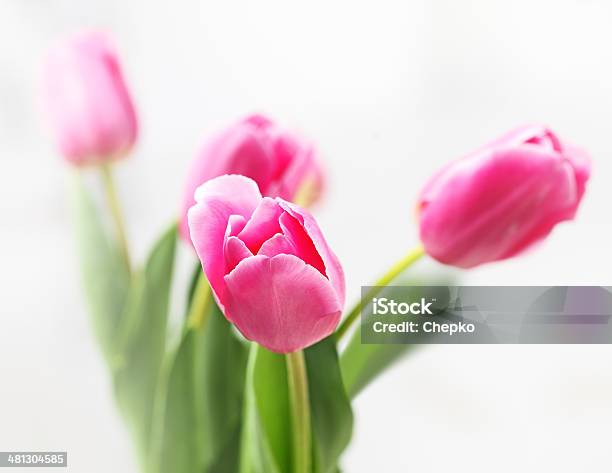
point(106, 278)
point(198, 414)
point(223, 361)
point(196, 273)
point(142, 340)
point(332, 416)
point(177, 438)
point(362, 363)
point(266, 440)
point(266, 437)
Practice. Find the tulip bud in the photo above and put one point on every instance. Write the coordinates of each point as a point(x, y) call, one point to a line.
point(269, 266)
point(281, 164)
point(87, 100)
point(498, 201)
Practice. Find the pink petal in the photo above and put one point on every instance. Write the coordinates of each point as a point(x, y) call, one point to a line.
point(281, 302)
point(286, 149)
point(87, 99)
point(498, 207)
point(534, 134)
point(278, 245)
point(258, 120)
point(241, 149)
point(235, 225)
point(296, 166)
point(262, 225)
point(581, 163)
point(217, 200)
point(331, 265)
point(537, 135)
point(301, 242)
point(235, 251)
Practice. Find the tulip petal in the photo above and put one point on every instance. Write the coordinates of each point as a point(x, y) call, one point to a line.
point(235, 251)
point(262, 225)
point(216, 201)
point(304, 247)
point(88, 101)
point(235, 225)
point(258, 121)
point(281, 302)
point(534, 134)
point(485, 212)
point(295, 166)
point(332, 268)
point(278, 245)
point(286, 149)
point(581, 163)
point(281, 163)
point(239, 150)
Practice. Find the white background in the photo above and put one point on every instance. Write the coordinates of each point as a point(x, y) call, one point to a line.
point(390, 90)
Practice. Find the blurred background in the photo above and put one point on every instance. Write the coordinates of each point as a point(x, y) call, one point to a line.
point(390, 90)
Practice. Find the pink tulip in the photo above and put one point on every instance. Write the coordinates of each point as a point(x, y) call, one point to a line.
point(498, 201)
point(270, 268)
point(87, 100)
point(282, 164)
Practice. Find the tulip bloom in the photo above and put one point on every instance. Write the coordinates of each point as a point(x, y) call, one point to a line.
point(498, 201)
point(269, 266)
point(281, 164)
point(87, 100)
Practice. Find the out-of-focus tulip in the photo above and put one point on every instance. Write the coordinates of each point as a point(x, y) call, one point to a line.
point(270, 268)
point(282, 164)
point(87, 100)
point(499, 200)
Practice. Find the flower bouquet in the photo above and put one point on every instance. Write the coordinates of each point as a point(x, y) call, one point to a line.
point(261, 376)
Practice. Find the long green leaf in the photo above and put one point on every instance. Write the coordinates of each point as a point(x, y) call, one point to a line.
point(142, 340)
point(198, 413)
point(267, 434)
point(177, 438)
point(106, 278)
point(362, 363)
point(223, 360)
point(332, 416)
point(266, 437)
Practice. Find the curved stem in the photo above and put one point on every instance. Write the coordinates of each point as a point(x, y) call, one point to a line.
point(199, 303)
point(413, 256)
point(117, 214)
point(300, 411)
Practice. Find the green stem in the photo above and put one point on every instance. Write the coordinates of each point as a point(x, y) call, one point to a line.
point(413, 256)
point(249, 415)
point(199, 304)
point(300, 411)
point(117, 214)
